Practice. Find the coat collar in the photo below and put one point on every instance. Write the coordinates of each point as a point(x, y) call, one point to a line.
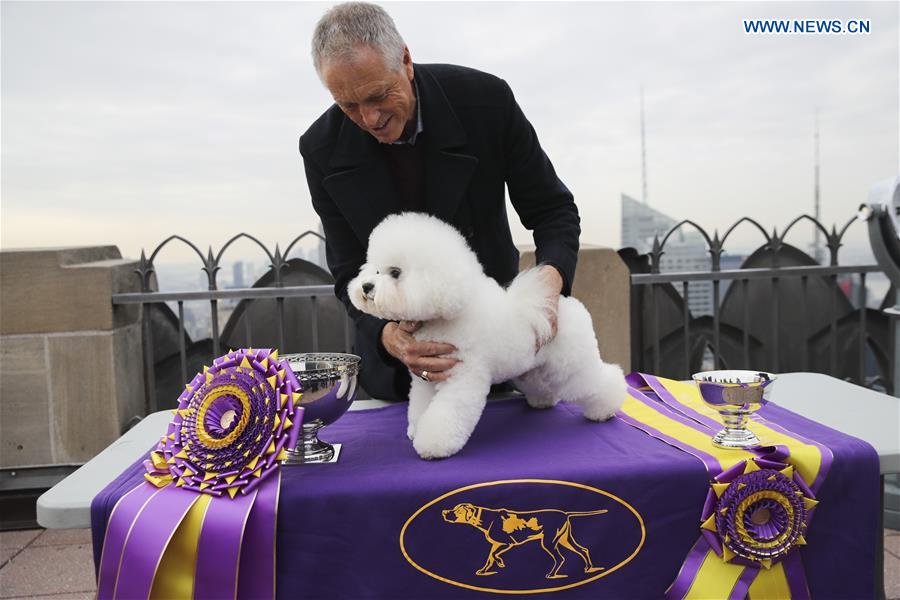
point(360, 183)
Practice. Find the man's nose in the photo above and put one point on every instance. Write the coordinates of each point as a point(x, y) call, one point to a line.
point(370, 117)
point(368, 287)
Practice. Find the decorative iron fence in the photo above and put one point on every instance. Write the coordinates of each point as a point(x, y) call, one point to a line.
point(292, 307)
point(782, 311)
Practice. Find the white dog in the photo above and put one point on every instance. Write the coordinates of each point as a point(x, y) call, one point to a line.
point(419, 268)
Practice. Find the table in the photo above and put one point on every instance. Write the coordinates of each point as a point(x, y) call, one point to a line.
point(358, 528)
point(874, 417)
point(849, 408)
point(67, 505)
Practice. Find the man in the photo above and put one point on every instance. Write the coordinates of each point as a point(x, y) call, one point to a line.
point(440, 139)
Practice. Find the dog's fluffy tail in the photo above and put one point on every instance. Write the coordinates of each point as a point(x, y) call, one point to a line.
point(530, 294)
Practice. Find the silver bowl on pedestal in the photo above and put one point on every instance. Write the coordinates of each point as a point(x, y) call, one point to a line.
point(735, 394)
point(328, 386)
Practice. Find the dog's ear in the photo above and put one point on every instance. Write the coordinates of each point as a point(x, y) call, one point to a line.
point(452, 289)
point(470, 512)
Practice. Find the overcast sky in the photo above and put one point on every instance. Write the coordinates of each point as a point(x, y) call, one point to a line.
point(123, 123)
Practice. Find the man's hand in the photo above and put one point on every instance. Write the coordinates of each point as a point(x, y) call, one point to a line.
point(554, 284)
point(418, 356)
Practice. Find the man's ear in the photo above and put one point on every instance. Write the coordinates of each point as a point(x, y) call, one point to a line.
point(407, 63)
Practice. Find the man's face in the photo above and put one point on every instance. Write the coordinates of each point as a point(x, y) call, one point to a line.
point(378, 99)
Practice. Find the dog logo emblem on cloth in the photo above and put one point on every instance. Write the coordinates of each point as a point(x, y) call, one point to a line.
point(504, 529)
point(520, 536)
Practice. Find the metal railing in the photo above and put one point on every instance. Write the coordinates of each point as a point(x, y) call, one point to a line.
point(211, 265)
point(653, 291)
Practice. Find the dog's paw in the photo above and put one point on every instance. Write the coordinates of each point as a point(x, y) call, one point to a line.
point(535, 401)
point(609, 393)
point(600, 411)
point(436, 436)
point(430, 447)
point(411, 431)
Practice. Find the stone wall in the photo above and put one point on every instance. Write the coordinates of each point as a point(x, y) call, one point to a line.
point(602, 284)
point(71, 372)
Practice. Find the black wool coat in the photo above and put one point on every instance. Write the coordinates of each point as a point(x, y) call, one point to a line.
point(476, 141)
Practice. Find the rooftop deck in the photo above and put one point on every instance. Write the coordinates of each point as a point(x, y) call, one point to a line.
point(57, 564)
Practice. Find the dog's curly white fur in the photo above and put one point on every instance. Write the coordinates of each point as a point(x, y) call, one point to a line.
point(419, 268)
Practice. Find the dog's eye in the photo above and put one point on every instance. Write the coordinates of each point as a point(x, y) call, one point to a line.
point(394, 272)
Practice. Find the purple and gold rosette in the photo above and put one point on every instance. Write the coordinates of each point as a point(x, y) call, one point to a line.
point(202, 524)
point(760, 502)
point(233, 425)
point(754, 516)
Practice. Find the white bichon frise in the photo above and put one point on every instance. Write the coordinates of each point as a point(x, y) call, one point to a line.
point(419, 268)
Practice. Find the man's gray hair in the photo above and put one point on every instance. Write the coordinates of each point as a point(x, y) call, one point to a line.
point(344, 28)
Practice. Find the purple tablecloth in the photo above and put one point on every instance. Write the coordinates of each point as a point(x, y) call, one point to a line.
point(340, 525)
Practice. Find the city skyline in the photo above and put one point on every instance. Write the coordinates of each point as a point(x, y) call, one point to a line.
point(639, 224)
point(127, 122)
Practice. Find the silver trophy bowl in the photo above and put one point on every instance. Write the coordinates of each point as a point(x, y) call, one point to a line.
point(328, 386)
point(735, 394)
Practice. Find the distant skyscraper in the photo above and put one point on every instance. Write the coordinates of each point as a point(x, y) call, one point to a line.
point(686, 250)
point(640, 223)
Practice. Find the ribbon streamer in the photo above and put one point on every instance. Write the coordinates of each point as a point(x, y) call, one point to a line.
point(760, 500)
point(202, 524)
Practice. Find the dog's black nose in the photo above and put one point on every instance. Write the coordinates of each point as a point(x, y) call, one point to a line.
point(368, 287)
